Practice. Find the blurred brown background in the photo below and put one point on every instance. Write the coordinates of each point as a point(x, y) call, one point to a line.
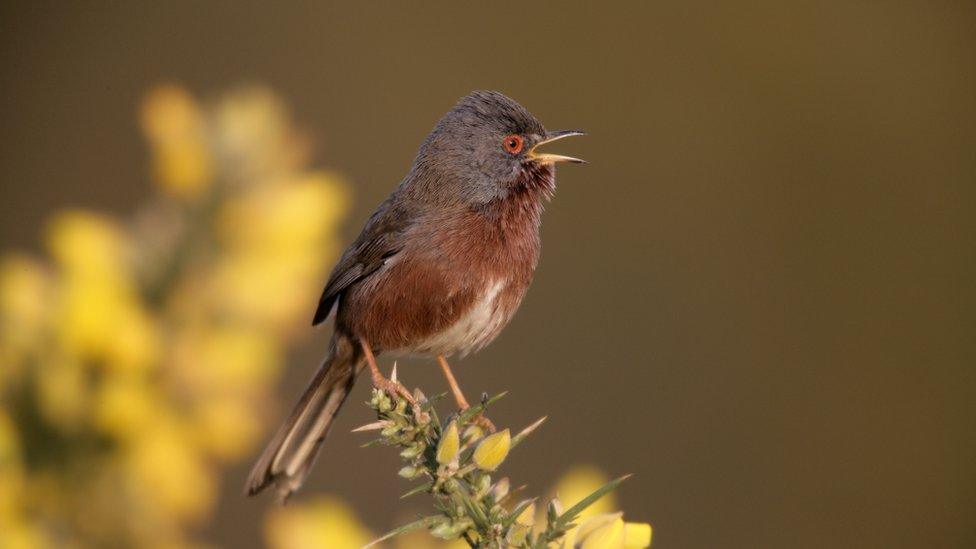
point(758, 296)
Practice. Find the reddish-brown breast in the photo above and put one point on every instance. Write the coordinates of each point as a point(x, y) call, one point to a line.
point(457, 282)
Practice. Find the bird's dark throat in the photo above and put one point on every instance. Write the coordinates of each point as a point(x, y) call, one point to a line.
point(522, 205)
point(536, 179)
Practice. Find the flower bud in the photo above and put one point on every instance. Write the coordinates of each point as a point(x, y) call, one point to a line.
point(409, 472)
point(483, 485)
point(381, 401)
point(493, 450)
point(500, 489)
point(447, 448)
point(460, 526)
point(442, 530)
point(412, 451)
point(451, 530)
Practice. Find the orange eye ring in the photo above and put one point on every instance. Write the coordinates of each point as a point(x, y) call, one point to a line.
point(513, 143)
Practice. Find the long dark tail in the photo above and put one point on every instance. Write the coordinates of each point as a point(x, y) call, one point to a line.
point(291, 453)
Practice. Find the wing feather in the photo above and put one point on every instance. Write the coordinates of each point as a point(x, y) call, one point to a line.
point(381, 238)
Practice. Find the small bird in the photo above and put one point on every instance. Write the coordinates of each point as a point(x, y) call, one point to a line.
point(439, 268)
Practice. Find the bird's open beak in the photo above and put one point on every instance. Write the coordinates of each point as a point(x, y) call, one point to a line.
point(547, 158)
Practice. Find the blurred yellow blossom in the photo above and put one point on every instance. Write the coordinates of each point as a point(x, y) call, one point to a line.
point(24, 288)
point(136, 361)
point(527, 517)
point(172, 120)
point(136, 342)
point(322, 522)
point(123, 405)
point(24, 298)
point(598, 532)
point(169, 112)
point(266, 233)
point(162, 461)
point(239, 359)
point(237, 279)
point(88, 245)
point(288, 214)
point(100, 319)
point(608, 531)
point(20, 534)
point(599, 526)
point(226, 426)
point(63, 395)
point(15, 530)
point(327, 521)
point(581, 481)
point(100, 315)
point(254, 136)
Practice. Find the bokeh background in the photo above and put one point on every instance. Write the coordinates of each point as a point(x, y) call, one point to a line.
point(758, 296)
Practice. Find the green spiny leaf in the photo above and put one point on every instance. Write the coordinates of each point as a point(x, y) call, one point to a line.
point(517, 439)
point(425, 522)
point(425, 487)
point(570, 514)
point(466, 415)
point(471, 507)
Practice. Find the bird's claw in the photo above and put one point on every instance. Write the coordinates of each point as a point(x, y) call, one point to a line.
point(394, 389)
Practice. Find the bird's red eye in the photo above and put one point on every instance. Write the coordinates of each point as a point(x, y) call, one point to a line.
point(513, 144)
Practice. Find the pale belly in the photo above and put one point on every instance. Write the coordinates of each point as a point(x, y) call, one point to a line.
point(474, 329)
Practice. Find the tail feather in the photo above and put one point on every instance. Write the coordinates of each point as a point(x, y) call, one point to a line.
point(291, 453)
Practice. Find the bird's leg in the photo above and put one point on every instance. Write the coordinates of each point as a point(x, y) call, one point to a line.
point(455, 388)
point(462, 402)
point(392, 387)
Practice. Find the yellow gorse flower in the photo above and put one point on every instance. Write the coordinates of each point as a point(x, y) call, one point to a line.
point(328, 522)
point(137, 359)
point(182, 161)
point(100, 316)
point(24, 298)
point(608, 531)
point(599, 526)
point(323, 522)
point(579, 482)
point(600, 532)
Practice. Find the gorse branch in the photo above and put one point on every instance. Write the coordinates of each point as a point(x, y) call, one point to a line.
point(454, 460)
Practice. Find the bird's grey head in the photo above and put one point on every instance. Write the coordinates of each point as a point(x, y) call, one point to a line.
point(485, 147)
